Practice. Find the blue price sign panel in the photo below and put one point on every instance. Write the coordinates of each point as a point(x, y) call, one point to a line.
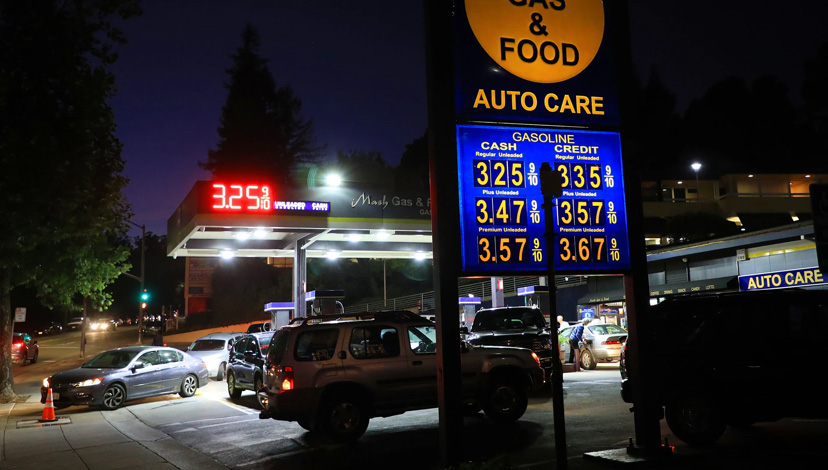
point(502, 222)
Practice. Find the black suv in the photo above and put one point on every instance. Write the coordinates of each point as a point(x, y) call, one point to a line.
point(521, 327)
point(735, 359)
point(245, 367)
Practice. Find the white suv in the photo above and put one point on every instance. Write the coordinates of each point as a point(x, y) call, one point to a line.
point(334, 373)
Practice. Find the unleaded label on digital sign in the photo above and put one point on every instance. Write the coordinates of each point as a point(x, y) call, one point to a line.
point(502, 222)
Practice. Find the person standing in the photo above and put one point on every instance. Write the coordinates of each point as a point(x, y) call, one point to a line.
point(575, 338)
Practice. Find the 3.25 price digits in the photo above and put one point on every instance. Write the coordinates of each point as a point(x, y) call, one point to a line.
point(496, 249)
point(241, 197)
point(500, 211)
point(499, 174)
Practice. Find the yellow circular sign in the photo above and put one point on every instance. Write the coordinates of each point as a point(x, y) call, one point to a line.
point(543, 41)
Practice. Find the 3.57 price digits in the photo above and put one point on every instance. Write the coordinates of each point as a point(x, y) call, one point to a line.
point(497, 249)
point(591, 212)
point(498, 174)
point(500, 211)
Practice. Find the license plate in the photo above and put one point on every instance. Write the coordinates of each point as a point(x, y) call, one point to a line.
point(55, 396)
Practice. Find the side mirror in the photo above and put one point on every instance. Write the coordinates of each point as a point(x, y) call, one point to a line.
point(464, 330)
point(136, 366)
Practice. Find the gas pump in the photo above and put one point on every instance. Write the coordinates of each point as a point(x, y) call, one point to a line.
point(325, 302)
point(468, 308)
point(537, 296)
point(281, 313)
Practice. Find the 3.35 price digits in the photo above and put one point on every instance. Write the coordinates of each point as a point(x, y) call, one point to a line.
point(582, 212)
point(496, 249)
point(583, 249)
point(580, 176)
point(500, 211)
point(499, 174)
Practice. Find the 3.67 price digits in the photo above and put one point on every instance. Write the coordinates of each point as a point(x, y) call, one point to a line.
point(497, 249)
point(586, 249)
point(500, 211)
point(498, 174)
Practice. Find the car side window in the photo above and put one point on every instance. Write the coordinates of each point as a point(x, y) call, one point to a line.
point(316, 345)
point(374, 341)
point(240, 346)
point(422, 339)
point(169, 356)
point(252, 347)
point(150, 358)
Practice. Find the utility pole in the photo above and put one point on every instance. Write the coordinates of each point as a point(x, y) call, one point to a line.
point(141, 280)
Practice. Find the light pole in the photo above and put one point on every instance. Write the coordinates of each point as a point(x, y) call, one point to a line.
point(141, 280)
point(696, 166)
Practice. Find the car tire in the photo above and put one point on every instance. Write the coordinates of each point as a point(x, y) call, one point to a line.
point(113, 397)
point(232, 390)
point(506, 401)
point(306, 424)
point(695, 420)
point(588, 360)
point(343, 418)
point(188, 386)
point(257, 385)
point(221, 371)
point(37, 353)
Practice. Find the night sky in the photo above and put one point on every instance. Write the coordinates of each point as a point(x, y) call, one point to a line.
point(359, 69)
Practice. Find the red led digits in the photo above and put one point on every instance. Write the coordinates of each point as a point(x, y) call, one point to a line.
point(241, 198)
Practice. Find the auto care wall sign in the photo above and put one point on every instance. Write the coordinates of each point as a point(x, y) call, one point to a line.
point(526, 66)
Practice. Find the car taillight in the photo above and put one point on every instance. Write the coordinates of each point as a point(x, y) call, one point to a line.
point(611, 342)
point(18, 345)
point(536, 358)
point(287, 378)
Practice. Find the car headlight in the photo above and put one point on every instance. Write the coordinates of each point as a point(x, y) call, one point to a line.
point(46, 382)
point(88, 382)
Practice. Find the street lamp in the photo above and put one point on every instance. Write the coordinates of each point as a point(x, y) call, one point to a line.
point(696, 166)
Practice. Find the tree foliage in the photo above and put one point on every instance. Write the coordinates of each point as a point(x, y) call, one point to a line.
point(63, 211)
point(262, 132)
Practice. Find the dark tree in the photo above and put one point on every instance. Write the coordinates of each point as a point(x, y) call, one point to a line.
point(262, 132)
point(412, 172)
point(63, 212)
point(815, 96)
point(653, 126)
point(364, 169)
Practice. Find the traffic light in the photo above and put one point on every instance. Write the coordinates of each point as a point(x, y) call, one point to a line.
point(144, 297)
point(143, 305)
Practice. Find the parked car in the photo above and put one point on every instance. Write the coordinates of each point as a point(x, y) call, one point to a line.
point(259, 327)
point(103, 324)
point(75, 323)
point(245, 368)
point(523, 327)
point(24, 348)
point(705, 382)
point(52, 328)
point(602, 343)
point(113, 377)
point(332, 374)
point(214, 350)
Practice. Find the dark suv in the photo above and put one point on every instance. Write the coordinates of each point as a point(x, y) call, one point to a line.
point(521, 327)
point(735, 359)
point(245, 366)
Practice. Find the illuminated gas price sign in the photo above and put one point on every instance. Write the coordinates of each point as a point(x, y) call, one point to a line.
point(257, 198)
point(502, 222)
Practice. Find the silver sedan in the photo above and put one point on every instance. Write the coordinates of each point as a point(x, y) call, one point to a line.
point(112, 377)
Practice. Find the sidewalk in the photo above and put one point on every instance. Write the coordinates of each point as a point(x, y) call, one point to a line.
point(90, 440)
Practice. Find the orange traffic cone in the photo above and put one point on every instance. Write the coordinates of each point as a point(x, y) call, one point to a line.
point(49, 411)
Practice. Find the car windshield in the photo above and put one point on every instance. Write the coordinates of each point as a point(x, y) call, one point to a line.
point(508, 319)
point(207, 345)
point(110, 360)
point(76, 320)
point(264, 344)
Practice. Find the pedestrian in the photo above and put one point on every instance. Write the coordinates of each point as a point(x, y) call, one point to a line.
point(562, 323)
point(575, 338)
point(159, 338)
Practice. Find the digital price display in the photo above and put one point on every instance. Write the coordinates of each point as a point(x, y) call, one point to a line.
point(502, 222)
point(256, 198)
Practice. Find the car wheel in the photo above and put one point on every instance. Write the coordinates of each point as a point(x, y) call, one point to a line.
point(188, 386)
point(471, 409)
point(113, 397)
point(695, 420)
point(34, 359)
point(232, 390)
point(506, 402)
point(306, 424)
point(257, 385)
point(588, 360)
point(221, 370)
point(344, 418)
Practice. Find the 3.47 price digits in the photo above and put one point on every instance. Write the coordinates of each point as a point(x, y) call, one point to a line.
point(498, 174)
point(585, 249)
point(592, 212)
point(497, 249)
point(500, 211)
point(580, 176)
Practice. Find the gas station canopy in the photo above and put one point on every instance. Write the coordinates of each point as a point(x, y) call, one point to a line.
point(260, 220)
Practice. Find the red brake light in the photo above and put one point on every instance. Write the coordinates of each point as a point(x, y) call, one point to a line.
point(611, 342)
point(287, 381)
